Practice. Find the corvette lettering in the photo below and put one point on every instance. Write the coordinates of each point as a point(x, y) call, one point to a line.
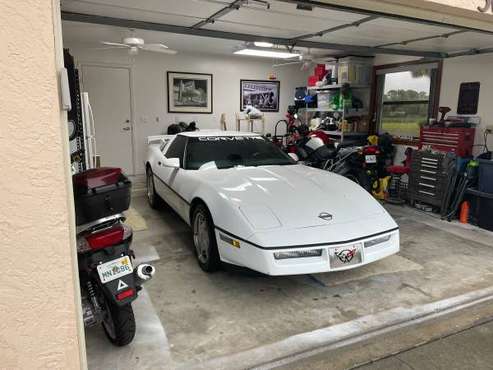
point(229, 138)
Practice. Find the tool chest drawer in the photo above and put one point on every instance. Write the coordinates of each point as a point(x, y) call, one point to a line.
point(429, 177)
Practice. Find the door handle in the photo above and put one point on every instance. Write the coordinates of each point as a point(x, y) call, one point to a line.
point(126, 129)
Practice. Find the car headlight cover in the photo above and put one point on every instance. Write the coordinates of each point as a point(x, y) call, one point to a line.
point(298, 254)
point(373, 242)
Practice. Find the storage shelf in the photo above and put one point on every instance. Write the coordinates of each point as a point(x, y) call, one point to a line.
point(346, 115)
point(321, 110)
point(338, 86)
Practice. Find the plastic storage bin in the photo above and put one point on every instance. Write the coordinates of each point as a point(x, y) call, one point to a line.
point(354, 70)
point(485, 181)
point(99, 193)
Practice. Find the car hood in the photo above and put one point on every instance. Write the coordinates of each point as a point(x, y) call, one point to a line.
point(293, 196)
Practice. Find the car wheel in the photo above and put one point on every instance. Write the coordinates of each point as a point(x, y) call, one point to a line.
point(152, 197)
point(204, 239)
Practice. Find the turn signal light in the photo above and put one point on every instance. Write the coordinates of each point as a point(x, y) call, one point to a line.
point(298, 254)
point(376, 241)
point(127, 293)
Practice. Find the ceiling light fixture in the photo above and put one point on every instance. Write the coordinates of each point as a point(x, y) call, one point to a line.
point(267, 53)
point(263, 44)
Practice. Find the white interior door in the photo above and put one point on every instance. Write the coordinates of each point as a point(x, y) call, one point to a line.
point(109, 95)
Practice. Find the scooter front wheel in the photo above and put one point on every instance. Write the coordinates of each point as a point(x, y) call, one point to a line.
point(119, 324)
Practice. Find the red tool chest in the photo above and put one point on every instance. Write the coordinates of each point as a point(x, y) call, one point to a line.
point(448, 139)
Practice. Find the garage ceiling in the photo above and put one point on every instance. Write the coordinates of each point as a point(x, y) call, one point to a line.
point(228, 21)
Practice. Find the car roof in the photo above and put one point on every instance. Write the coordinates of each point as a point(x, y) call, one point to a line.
point(204, 133)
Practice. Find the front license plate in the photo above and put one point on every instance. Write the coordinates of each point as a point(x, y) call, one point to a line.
point(345, 256)
point(371, 158)
point(114, 269)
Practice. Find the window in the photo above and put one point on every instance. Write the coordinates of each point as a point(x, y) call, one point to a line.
point(231, 151)
point(406, 99)
point(177, 148)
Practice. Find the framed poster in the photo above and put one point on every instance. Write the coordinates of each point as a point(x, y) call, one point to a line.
point(263, 95)
point(189, 92)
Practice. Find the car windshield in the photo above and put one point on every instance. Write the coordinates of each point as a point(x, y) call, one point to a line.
point(231, 151)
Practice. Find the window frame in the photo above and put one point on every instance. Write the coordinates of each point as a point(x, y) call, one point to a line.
point(377, 96)
point(168, 148)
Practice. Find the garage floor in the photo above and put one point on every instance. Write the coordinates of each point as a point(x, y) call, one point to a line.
point(206, 316)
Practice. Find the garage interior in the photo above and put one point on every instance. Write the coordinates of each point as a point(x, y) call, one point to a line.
point(403, 74)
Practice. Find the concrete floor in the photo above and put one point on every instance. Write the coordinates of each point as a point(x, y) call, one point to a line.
point(461, 340)
point(468, 349)
point(206, 316)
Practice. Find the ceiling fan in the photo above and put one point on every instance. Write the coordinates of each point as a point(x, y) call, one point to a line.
point(306, 60)
point(135, 44)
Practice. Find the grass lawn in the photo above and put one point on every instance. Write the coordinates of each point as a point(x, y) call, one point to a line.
point(408, 126)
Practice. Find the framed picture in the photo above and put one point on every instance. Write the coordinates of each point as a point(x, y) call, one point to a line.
point(189, 92)
point(263, 95)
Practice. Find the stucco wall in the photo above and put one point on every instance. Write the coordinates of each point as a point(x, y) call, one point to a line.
point(38, 325)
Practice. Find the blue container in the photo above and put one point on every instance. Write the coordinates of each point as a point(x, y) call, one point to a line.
point(485, 181)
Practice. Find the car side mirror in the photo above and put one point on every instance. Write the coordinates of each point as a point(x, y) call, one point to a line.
point(171, 162)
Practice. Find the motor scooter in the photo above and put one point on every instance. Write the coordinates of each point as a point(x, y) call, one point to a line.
point(109, 282)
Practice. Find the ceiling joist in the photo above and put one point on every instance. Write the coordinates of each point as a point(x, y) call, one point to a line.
point(348, 9)
point(336, 28)
point(152, 26)
point(407, 42)
point(235, 5)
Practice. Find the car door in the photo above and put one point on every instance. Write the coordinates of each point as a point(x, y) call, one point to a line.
point(169, 178)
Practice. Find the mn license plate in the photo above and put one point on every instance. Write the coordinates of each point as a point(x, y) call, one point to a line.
point(371, 158)
point(114, 269)
point(345, 256)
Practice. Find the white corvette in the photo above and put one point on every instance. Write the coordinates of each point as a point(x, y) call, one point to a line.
point(251, 205)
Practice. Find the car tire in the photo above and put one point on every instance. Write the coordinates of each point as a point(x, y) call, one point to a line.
point(119, 325)
point(204, 239)
point(153, 198)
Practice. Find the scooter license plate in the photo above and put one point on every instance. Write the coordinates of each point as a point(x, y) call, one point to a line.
point(114, 269)
point(371, 158)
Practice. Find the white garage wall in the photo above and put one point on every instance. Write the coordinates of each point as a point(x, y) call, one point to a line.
point(470, 69)
point(150, 96)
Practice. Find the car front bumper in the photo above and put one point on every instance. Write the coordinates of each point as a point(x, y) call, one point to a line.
point(243, 253)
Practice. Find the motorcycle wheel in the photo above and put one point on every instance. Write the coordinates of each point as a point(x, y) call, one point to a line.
point(119, 324)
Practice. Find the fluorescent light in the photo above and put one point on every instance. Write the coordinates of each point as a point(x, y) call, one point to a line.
point(267, 53)
point(263, 44)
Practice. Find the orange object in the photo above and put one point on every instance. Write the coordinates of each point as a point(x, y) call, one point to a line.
point(464, 212)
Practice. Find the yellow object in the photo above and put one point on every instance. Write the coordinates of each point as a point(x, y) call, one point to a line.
point(381, 185)
point(236, 243)
point(373, 140)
